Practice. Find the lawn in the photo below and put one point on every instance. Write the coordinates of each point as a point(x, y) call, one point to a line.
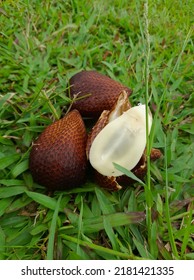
point(149, 48)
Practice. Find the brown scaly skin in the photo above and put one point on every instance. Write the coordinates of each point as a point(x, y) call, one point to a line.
point(103, 92)
point(58, 159)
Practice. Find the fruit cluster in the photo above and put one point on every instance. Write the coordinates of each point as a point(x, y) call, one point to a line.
point(61, 155)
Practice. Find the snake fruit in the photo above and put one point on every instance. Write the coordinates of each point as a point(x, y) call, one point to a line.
point(58, 158)
point(94, 92)
point(119, 136)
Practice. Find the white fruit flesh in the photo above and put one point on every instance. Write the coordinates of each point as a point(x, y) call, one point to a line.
point(121, 141)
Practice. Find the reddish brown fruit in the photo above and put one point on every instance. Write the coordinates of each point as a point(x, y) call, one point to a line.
point(58, 158)
point(103, 92)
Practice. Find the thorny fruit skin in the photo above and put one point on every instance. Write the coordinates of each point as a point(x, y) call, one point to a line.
point(102, 92)
point(58, 159)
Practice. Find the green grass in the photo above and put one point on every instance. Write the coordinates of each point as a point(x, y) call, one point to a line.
point(42, 44)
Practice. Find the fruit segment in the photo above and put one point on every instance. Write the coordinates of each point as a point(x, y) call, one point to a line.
point(122, 141)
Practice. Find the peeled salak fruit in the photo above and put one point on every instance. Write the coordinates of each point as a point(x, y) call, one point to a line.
point(58, 158)
point(94, 92)
point(121, 141)
point(119, 136)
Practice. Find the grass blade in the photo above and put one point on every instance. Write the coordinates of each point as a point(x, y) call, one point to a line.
point(147, 187)
point(43, 199)
point(11, 191)
point(167, 208)
point(95, 224)
point(110, 232)
point(105, 205)
point(2, 244)
point(142, 250)
point(5, 203)
point(50, 248)
point(8, 160)
point(20, 168)
point(128, 173)
point(187, 233)
point(99, 248)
